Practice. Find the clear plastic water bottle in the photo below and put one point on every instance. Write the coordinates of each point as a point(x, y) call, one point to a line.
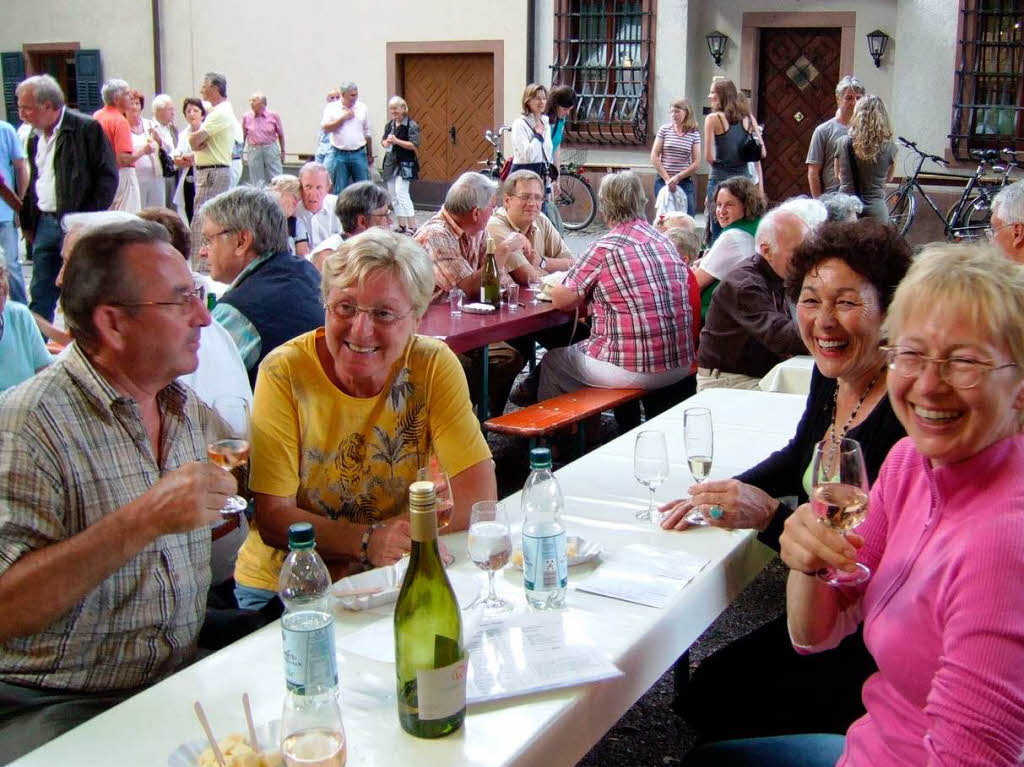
point(311, 727)
point(545, 563)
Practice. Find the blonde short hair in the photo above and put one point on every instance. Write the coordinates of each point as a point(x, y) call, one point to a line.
point(529, 92)
point(621, 198)
point(287, 184)
point(374, 251)
point(971, 282)
point(398, 101)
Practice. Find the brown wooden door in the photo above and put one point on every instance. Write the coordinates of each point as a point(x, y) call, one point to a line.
point(451, 96)
point(799, 69)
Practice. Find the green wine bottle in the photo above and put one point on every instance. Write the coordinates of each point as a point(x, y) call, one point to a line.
point(430, 664)
point(490, 283)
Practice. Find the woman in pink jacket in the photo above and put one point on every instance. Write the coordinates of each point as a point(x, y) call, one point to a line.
point(943, 612)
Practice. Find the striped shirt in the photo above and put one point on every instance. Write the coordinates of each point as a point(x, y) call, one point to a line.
point(676, 150)
point(72, 450)
point(635, 287)
point(456, 254)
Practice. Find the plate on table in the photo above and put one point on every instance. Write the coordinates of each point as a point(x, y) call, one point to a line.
point(577, 549)
point(235, 748)
point(351, 592)
point(478, 308)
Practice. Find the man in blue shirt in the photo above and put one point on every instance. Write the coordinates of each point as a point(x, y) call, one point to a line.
point(14, 175)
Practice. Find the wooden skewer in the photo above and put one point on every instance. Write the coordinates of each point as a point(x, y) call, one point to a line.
point(252, 727)
point(201, 716)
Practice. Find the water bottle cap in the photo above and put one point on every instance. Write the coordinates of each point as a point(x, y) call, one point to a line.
point(540, 458)
point(301, 535)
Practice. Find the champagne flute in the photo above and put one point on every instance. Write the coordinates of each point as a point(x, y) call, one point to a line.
point(840, 498)
point(490, 548)
point(699, 439)
point(232, 449)
point(650, 466)
point(435, 472)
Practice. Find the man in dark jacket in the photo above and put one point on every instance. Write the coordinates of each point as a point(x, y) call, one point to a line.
point(274, 296)
point(72, 169)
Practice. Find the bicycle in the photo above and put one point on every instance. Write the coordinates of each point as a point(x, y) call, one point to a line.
point(975, 213)
point(967, 218)
point(575, 199)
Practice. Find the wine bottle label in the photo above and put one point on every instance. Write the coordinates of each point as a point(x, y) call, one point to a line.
point(441, 692)
point(310, 664)
point(545, 563)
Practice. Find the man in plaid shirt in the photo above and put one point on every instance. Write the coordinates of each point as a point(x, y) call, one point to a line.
point(633, 284)
point(107, 498)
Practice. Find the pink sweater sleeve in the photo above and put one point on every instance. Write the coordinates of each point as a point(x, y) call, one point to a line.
point(975, 706)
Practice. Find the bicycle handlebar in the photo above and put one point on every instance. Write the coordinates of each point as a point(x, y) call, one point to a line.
point(912, 145)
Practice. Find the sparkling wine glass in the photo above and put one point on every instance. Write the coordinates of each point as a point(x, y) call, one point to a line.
point(490, 548)
point(535, 286)
point(840, 498)
point(232, 449)
point(434, 472)
point(650, 466)
point(699, 439)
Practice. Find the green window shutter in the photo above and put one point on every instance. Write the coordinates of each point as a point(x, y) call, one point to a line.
point(13, 65)
point(89, 72)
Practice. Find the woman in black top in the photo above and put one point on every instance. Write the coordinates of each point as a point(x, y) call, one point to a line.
point(842, 279)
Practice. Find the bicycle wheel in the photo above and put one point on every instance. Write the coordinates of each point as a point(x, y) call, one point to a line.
point(902, 206)
point(575, 202)
point(974, 219)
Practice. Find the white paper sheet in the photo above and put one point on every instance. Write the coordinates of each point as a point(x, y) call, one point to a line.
point(527, 653)
point(642, 574)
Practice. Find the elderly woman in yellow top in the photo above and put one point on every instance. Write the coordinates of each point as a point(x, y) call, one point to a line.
point(344, 416)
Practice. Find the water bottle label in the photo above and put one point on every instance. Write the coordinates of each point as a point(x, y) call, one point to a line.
point(310, 665)
point(441, 692)
point(545, 563)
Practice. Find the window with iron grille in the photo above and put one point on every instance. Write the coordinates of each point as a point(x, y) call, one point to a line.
point(988, 106)
point(603, 51)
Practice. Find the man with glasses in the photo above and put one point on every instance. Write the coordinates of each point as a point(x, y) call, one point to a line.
point(108, 499)
point(547, 252)
point(1006, 226)
point(273, 295)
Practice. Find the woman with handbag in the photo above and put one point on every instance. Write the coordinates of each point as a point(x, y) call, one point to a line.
point(866, 157)
point(401, 164)
point(731, 140)
point(148, 169)
point(531, 141)
point(676, 153)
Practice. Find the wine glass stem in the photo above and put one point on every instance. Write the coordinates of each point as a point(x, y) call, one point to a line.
point(491, 596)
point(650, 509)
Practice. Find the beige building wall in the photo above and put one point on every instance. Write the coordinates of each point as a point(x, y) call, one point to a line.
point(293, 52)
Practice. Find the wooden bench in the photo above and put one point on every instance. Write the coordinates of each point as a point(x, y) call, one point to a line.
point(544, 418)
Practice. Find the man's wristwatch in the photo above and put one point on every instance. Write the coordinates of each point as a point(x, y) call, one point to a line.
point(543, 263)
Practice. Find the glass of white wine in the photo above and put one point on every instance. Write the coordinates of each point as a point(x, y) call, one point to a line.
point(490, 548)
point(232, 449)
point(840, 498)
point(699, 439)
point(650, 466)
point(535, 286)
point(435, 472)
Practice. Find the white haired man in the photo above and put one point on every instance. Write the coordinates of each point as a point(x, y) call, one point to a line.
point(1006, 227)
point(347, 122)
point(213, 144)
point(455, 238)
point(115, 95)
point(263, 136)
point(749, 326)
point(821, 154)
point(315, 218)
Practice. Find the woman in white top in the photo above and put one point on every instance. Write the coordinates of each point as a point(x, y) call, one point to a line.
point(184, 156)
point(147, 168)
point(531, 134)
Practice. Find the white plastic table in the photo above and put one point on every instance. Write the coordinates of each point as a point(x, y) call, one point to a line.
point(554, 728)
point(792, 376)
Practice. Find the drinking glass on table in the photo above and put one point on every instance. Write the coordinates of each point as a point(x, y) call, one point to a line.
point(650, 466)
point(455, 299)
point(232, 449)
point(535, 286)
point(512, 297)
point(445, 505)
point(699, 439)
point(490, 548)
point(839, 497)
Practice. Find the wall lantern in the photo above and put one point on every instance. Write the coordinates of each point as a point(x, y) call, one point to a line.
point(877, 41)
point(716, 46)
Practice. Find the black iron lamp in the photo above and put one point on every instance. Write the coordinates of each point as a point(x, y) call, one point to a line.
point(716, 46)
point(877, 42)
